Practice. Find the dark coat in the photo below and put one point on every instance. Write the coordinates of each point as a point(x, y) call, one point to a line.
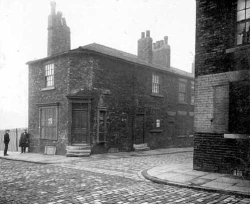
point(24, 140)
point(6, 138)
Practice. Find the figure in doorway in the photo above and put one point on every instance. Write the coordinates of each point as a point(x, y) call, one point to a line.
point(24, 141)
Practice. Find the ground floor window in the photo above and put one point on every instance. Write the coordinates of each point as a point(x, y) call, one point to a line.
point(48, 122)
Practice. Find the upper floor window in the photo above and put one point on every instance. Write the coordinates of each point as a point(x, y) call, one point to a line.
point(155, 84)
point(49, 75)
point(182, 92)
point(192, 93)
point(243, 22)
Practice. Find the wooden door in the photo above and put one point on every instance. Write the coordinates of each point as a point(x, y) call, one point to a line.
point(80, 121)
point(139, 129)
point(171, 133)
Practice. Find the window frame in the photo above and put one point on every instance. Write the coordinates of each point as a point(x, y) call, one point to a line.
point(156, 84)
point(49, 75)
point(104, 110)
point(184, 91)
point(243, 34)
point(55, 108)
point(192, 93)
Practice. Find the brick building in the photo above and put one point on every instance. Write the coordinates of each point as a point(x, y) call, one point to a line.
point(221, 141)
point(97, 99)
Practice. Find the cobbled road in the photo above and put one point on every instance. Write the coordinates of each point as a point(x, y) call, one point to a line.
point(108, 180)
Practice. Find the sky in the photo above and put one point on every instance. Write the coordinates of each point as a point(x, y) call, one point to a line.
point(114, 23)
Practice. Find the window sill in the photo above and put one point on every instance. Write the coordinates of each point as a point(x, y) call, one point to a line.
point(238, 47)
point(157, 95)
point(155, 131)
point(48, 88)
point(237, 136)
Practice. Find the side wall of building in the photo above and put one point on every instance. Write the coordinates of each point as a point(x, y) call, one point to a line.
point(219, 63)
point(39, 97)
point(130, 89)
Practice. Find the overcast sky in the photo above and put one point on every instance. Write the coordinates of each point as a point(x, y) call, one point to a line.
point(114, 23)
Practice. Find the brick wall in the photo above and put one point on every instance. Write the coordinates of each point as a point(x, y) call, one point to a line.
point(214, 153)
point(218, 63)
point(122, 88)
point(38, 96)
point(215, 32)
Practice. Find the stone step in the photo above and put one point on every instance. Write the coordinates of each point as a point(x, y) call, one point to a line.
point(142, 149)
point(78, 147)
point(78, 150)
point(80, 144)
point(140, 145)
point(78, 155)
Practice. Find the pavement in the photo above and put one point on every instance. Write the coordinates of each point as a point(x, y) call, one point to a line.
point(181, 175)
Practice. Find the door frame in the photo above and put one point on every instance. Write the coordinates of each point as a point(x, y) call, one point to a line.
point(70, 115)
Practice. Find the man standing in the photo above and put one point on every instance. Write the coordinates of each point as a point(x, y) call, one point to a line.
point(24, 141)
point(6, 142)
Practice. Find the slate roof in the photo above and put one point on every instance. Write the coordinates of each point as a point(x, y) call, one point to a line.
point(104, 50)
point(129, 57)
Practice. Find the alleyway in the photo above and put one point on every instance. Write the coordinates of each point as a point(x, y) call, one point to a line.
point(104, 180)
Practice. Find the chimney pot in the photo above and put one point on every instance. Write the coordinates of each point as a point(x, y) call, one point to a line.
point(154, 45)
point(166, 40)
point(148, 33)
point(161, 43)
point(60, 14)
point(157, 44)
point(53, 7)
point(142, 34)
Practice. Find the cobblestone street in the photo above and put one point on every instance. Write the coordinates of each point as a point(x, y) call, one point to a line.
point(109, 180)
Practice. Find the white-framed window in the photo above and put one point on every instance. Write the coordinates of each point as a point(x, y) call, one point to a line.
point(49, 75)
point(182, 92)
point(192, 93)
point(155, 84)
point(48, 122)
point(158, 123)
point(243, 22)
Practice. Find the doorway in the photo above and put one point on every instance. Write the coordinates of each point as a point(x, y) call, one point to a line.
point(80, 120)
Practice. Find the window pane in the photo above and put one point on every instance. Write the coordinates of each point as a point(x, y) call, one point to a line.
point(240, 5)
point(48, 122)
point(248, 4)
point(247, 13)
point(240, 32)
point(240, 15)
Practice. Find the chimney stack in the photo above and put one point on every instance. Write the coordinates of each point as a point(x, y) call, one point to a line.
point(161, 53)
point(58, 32)
point(145, 52)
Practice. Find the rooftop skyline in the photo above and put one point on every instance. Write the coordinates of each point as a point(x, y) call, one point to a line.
point(114, 23)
